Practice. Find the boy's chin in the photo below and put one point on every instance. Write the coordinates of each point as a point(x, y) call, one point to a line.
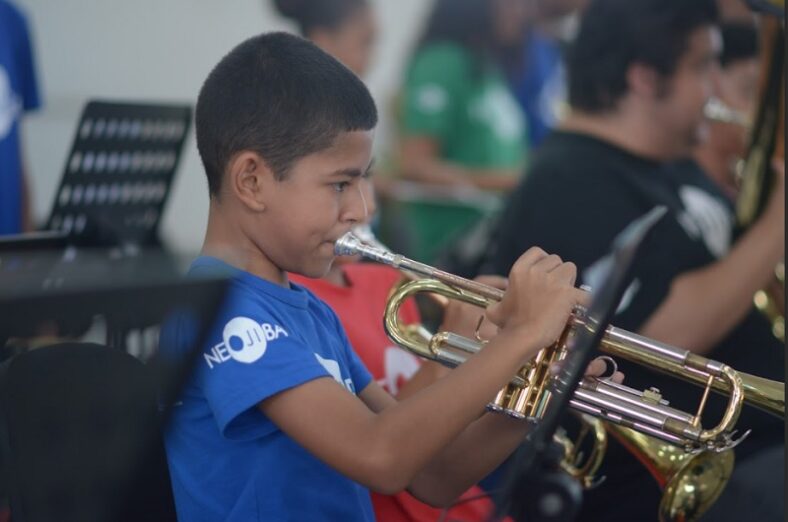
point(346, 260)
point(317, 270)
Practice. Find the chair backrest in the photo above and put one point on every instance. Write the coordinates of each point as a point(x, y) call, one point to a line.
point(82, 437)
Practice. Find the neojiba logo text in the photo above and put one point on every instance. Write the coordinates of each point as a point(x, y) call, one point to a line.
point(244, 340)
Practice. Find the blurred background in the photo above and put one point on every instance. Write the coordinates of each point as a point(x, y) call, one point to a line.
point(151, 51)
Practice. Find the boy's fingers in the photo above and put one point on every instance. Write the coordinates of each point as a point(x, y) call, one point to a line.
point(493, 280)
point(549, 263)
point(530, 257)
point(582, 297)
point(596, 368)
point(567, 272)
point(494, 314)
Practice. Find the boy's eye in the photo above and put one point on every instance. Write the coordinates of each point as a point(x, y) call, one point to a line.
point(340, 186)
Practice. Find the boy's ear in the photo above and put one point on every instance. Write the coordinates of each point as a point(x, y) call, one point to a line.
point(248, 175)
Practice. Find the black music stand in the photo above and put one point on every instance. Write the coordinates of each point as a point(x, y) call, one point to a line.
point(131, 292)
point(119, 172)
point(536, 490)
point(95, 458)
point(33, 241)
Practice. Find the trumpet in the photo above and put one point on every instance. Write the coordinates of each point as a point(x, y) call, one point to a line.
point(527, 395)
point(690, 483)
point(754, 179)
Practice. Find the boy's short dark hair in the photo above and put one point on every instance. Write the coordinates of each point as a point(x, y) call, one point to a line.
point(280, 96)
point(614, 34)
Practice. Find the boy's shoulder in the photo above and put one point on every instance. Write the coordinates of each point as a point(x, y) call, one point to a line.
point(250, 292)
point(315, 304)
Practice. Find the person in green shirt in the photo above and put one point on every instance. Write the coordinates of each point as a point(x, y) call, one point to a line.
point(460, 124)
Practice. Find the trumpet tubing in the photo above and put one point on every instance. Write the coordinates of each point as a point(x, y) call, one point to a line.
point(527, 395)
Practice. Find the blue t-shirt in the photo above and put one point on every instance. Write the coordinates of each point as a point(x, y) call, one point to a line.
point(228, 461)
point(18, 93)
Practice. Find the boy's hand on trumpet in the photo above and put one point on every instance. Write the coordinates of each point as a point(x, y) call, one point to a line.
point(466, 319)
point(599, 368)
point(539, 298)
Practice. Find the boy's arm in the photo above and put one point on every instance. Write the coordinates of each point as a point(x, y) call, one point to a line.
point(428, 373)
point(478, 450)
point(481, 447)
point(385, 445)
point(460, 318)
point(385, 450)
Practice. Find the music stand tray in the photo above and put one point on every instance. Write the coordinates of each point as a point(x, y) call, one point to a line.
point(119, 172)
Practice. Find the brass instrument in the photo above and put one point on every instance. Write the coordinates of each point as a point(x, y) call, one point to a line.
point(575, 464)
point(771, 303)
point(526, 396)
point(755, 175)
point(767, 129)
point(753, 179)
point(690, 482)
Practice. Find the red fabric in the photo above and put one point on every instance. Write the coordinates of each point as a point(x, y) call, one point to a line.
point(360, 307)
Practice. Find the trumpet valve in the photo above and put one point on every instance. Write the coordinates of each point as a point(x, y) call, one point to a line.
point(652, 395)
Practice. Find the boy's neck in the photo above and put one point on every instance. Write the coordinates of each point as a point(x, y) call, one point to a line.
point(226, 240)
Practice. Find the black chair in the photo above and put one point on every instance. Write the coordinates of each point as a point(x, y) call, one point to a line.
point(81, 437)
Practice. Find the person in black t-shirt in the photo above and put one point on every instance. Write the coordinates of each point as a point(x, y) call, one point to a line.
point(640, 72)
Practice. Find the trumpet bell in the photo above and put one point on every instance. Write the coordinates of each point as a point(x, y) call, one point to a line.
point(691, 482)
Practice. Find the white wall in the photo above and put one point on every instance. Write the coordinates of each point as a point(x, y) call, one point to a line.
point(161, 50)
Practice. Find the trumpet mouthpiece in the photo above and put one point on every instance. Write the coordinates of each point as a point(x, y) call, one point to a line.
point(347, 245)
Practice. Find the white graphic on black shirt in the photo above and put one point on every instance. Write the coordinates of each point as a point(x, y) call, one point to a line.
point(706, 217)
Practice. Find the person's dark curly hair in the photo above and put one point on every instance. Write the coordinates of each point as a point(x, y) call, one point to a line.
point(614, 34)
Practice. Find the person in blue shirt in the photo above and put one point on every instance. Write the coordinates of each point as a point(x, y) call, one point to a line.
point(280, 420)
point(538, 79)
point(18, 94)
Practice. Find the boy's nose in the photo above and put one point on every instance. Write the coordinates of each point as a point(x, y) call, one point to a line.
point(356, 208)
point(368, 192)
